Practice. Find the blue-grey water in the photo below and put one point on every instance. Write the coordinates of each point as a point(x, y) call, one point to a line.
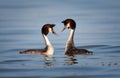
point(98, 30)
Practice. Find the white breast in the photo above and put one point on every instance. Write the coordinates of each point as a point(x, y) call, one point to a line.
point(50, 50)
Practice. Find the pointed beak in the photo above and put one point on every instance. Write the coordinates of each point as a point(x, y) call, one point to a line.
point(64, 26)
point(53, 25)
point(63, 29)
point(54, 32)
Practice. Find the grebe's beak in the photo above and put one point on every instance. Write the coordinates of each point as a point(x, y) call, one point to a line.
point(64, 26)
point(54, 32)
point(63, 29)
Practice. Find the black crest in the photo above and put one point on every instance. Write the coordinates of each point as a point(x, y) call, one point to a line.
point(71, 22)
point(45, 28)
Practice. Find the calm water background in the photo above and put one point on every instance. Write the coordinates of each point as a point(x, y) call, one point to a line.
point(98, 30)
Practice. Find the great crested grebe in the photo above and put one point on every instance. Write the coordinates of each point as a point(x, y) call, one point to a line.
point(70, 49)
point(48, 50)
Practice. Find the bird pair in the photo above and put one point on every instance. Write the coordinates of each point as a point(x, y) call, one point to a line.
point(70, 49)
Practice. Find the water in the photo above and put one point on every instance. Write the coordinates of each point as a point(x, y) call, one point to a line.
point(98, 29)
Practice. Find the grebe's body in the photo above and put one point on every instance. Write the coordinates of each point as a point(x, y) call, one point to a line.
point(70, 49)
point(48, 50)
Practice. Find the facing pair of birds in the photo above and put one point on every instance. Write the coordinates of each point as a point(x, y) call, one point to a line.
point(70, 49)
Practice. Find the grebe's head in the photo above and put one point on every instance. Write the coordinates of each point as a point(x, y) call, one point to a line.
point(69, 23)
point(48, 28)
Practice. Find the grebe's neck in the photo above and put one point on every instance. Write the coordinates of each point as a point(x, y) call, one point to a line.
point(70, 41)
point(49, 47)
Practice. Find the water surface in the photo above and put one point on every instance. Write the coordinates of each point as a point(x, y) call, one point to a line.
point(98, 30)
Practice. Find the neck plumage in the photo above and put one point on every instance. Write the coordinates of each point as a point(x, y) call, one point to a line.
point(49, 47)
point(70, 41)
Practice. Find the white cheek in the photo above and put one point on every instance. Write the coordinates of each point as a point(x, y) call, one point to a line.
point(68, 25)
point(50, 30)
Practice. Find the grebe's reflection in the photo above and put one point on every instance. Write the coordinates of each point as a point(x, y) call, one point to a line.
point(70, 60)
point(49, 61)
point(48, 57)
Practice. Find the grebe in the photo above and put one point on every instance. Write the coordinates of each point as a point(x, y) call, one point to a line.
point(70, 49)
point(48, 50)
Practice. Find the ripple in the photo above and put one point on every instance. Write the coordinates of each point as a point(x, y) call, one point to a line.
point(111, 47)
point(98, 29)
point(93, 46)
point(12, 61)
